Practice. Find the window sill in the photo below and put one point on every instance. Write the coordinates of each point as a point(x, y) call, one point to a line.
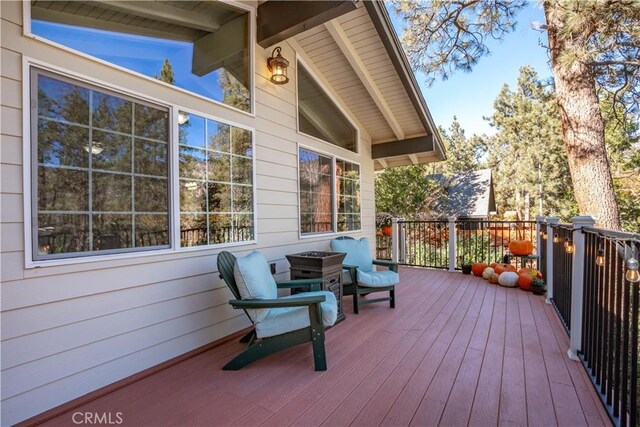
point(120, 259)
point(326, 234)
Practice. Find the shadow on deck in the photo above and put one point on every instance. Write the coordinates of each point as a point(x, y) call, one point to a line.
point(455, 351)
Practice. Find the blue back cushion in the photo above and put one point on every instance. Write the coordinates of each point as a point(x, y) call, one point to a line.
point(357, 252)
point(254, 281)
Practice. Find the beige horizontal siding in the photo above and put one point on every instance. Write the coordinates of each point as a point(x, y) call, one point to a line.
point(70, 329)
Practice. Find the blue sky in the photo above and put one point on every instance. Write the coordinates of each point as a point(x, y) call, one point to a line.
point(470, 96)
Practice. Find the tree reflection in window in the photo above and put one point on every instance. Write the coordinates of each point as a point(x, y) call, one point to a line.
point(101, 167)
point(216, 182)
point(316, 212)
point(348, 199)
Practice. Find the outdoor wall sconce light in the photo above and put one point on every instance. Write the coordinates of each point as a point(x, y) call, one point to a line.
point(568, 246)
point(566, 241)
point(278, 67)
point(632, 274)
point(556, 238)
point(543, 234)
point(600, 257)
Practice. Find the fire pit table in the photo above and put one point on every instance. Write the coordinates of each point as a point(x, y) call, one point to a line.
point(328, 265)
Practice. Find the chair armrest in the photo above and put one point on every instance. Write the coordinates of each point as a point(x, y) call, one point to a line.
point(314, 284)
point(393, 266)
point(277, 303)
point(353, 272)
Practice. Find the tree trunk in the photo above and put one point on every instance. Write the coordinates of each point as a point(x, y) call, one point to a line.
point(582, 124)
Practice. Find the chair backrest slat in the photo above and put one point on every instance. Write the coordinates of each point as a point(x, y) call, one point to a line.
point(226, 261)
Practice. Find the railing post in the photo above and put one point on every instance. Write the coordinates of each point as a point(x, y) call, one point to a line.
point(395, 240)
point(452, 243)
point(539, 220)
point(577, 284)
point(548, 274)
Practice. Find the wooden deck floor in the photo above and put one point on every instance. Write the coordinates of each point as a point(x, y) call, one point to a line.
point(456, 351)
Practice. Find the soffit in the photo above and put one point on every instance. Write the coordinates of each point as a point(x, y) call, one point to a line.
point(178, 20)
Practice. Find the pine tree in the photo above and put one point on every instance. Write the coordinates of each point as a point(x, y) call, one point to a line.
point(593, 45)
point(527, 153)
point(166, 73)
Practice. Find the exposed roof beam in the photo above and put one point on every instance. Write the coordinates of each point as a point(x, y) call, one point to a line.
point(280, 20)
point(382, 22)
point(224, 48)
point(327, 86)
point(405, 147)
point(414, 159)
point(383, 162)
point(164, 12)
point(342, 40)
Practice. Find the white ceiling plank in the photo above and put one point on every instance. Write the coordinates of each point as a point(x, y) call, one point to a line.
point(349, 52)
point(165, 12)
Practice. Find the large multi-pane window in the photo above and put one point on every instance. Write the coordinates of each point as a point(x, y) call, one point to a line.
point(101, 179)
point(320, 117)
point(100, 170)
point(216, 182)
point(329, 193)
point(200, 46)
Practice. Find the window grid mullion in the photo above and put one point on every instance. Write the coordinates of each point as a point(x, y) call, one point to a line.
point(90, 180)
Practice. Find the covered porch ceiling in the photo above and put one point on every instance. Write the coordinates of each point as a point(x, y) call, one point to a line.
point(358, 57)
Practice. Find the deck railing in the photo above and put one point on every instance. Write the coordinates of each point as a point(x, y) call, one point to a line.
point(563, 265)
point(450, 243)
point(609, 349)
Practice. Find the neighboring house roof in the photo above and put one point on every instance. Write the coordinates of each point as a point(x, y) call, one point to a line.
point(354, 51)
point(469, 194)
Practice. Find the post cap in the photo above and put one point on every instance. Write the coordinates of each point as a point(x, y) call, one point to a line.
point(553, 220)
point(583, 221)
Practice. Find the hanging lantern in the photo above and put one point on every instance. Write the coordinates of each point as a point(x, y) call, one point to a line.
point(632, 274)
point(568, 246)
point(600, 257)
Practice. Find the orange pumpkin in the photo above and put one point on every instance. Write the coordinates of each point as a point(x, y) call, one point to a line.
point(493, 264)
point(501, 268)
point(494, 278)
point(524, 281)
point(477, 268)
point(521, 247)
point(532, 272)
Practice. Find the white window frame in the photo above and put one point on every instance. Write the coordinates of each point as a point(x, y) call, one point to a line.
point(308, 69)
point(173, 196)
point(334, 195)
point(175, 149)
point(26, 30)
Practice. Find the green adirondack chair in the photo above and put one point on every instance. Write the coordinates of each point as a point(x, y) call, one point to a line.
point(279, 323)
point(362, 278)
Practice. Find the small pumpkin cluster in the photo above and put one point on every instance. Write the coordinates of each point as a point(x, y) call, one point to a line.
point(506, 275)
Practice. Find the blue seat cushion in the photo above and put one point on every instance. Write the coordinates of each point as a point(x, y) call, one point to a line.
point(357, 251)
point(373, 279)
point(254, 280)
point(286, 319)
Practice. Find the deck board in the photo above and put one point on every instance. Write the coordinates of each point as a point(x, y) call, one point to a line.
point(456, 351)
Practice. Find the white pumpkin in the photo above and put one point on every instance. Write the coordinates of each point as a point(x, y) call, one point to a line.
point(508, 279)
point(486, 274)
